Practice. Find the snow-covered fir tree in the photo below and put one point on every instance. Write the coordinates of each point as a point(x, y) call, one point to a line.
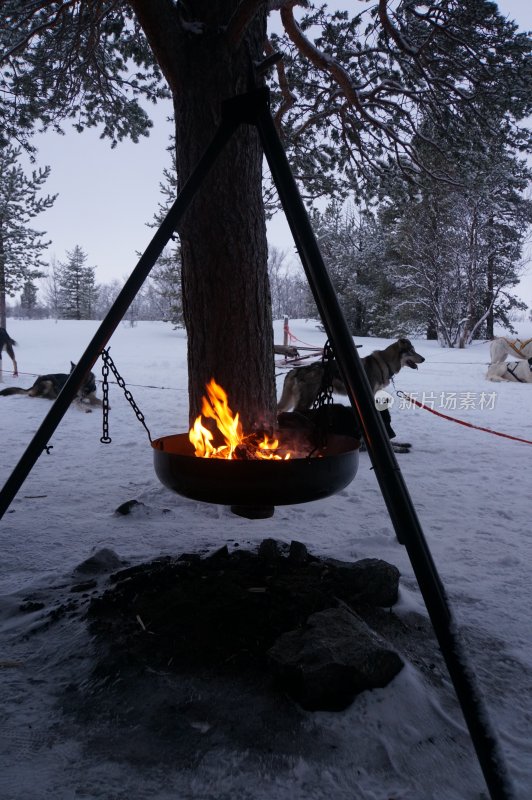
point(441, 253)
point(21, 247)
point(163, 294)
point(165, 286)
point(77, 288)
point(50, 288)
point(353, 251)
point(290, 290)
point(28, 300)
point(454, 248)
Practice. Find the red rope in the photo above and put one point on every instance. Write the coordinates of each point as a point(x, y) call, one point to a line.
point(295, 339)
point(461, 422)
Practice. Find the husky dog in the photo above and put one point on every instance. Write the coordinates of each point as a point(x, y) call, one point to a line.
point(302, 384)
point(6, 343)
point(520, 371)
point(49, 386)
point(501, 347)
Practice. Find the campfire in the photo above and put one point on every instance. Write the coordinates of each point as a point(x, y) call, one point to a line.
point(217, 462)
point(236, 445)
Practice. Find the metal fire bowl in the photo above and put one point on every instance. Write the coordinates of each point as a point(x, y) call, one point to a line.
point(254, 483)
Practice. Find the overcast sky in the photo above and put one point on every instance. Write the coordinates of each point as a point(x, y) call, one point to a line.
point(107, 196)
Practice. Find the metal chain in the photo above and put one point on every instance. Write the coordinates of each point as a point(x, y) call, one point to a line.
point(108, 363)
point(105, 438)
point(325, 392)
point(324, 398)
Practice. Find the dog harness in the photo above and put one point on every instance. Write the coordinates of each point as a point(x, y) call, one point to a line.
point(518, 345)
point(512, 366)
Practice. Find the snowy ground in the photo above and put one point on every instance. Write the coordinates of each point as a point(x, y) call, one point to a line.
point(405, 742)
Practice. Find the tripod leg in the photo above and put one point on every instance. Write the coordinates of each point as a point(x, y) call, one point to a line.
point(115, 315)
point(400, 507)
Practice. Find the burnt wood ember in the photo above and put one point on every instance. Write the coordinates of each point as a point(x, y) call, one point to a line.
point(225, 611)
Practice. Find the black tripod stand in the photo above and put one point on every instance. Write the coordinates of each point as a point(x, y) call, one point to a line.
point(253, 108)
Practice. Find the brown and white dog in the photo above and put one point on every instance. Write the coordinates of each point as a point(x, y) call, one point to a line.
point(6, 343)
point(302, 384)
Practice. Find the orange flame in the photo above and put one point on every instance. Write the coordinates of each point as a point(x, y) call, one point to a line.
point(237, 445)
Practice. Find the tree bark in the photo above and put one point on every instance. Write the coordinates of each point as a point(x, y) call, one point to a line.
point(432, 330)
point(3, 312)
point(490, 281)
point(3, 309)
point(226, 296)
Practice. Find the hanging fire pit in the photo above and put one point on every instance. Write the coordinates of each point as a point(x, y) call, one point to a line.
point(252, 474)
point(255, 483)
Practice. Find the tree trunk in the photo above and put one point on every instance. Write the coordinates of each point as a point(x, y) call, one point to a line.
point(489, 280)
point(3, 312)
point(432, 330)
point(226, 296)
point(2, 283)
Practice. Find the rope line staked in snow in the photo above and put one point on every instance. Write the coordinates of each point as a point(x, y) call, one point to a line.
point(114, 383)
point(461, 421)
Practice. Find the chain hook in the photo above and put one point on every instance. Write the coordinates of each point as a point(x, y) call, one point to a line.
point(108, 364)
point(105, 438)
point(324, 396)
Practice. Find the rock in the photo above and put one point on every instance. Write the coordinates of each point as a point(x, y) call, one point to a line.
point(104, 560)
point(189, 558)
point(84, 586)
point(30, 606)
point(334, 657)
point(369, 580)
point(269, 550)
point(127, 507)
point(218, 555)
point(298, 553)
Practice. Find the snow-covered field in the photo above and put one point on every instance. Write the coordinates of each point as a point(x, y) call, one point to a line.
point(472, 492)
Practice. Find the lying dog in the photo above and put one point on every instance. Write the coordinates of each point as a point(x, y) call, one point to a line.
point(502, 347)
point(520, 371)
point(302, 384)
point(6, 343)
point(49, 386)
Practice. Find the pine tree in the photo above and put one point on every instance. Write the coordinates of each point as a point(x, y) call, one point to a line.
point(28, 300)
point(290, 291)
point(51, 287)
point(165, 282)
point(165, 277)
point(77, 288)
point(453, 249)
point(20, 246)
point(106, 294)
point(352, 247)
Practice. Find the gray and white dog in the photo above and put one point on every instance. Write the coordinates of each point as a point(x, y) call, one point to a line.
point(302, 384)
